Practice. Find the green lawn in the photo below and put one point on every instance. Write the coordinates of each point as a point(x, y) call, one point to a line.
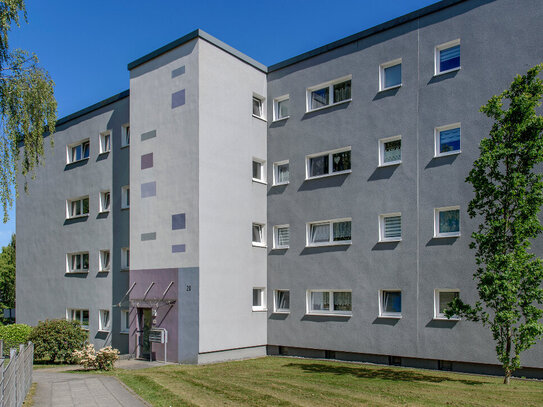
point(276, 381)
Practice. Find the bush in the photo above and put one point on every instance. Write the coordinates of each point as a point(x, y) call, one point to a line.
point(13, 335)
point(55, 340)
point(103, 360)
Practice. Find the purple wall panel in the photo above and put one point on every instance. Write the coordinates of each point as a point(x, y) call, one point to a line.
point(148, 189)
point(178, 221)
point(178, 248)
point(178, 98)
point(146, 161)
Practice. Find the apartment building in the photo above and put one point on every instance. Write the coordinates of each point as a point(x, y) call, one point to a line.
point(315, 207)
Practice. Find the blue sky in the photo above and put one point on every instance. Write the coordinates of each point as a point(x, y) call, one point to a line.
point(86, 45)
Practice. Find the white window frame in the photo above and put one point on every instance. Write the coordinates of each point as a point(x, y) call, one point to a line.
point(103, 147)
point(101, 326)
point(382, 77)
point(276, 309)
point(382, 218)
point(70, 312)
point(309, 311)
point(440, 48)
point(437, 144)
point(276, 111)
point(69, 207)
point(124, 191)
point(436, 222)
point(69, 147)
point(102, 199)
point(69, 263)
point(382, 313)
point(438, 315)
point(262, 243)
point(262, 306)
point(125, 258)
point(330, 154)
point(330, 86)
point(382, 143)
point(276, 172)
point(262, 170)
point(276, 244)
point(101, 260)
point(125, 317)
point(262, 100)
point(330, 242)
point(125, 131)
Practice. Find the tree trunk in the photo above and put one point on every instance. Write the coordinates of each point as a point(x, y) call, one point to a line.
point(508, 371)
point(507, 377)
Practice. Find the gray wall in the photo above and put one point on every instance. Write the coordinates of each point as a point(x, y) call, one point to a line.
point(493, 50)
point(44, 289)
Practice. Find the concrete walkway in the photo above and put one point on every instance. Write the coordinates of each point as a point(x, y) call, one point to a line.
point(56, 388)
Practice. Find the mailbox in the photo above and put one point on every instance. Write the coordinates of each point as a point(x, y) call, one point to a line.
point(158, 335)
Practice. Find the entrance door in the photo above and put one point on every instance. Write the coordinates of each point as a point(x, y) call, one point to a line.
point(144, 325)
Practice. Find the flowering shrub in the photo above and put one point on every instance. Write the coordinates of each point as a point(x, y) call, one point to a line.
point(104, 359)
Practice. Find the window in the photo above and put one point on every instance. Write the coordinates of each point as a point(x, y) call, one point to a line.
point(447, 140)
point(447, 57)
point(258, 107)
point(259, 299)
point(390, 151)
point(104, 320)
point(79, 315)
point(125, 135)
point(328, 163)
point(79, 151)
point(442, 298)
point(390, 227)
point(105, 201)
point(281, 237)
point(281, 107)
point(125, 258)
point(125, 321)
point(281, 301)
point(447, 221)
point(329, 93)
point(78, 262)
point(330, 232)
point(105, 260)
point(390, 303)
point(281, 173)
point(329, 302)
point(390, 74)
point(77, 207)
point(258, 235)
point(105, 142)
point(258, 171)
point(125, 197)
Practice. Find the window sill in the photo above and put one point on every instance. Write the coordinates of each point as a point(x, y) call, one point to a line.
point(259, 181)
point(390, 316)
point(128, 145)
point(445, 319)
point(280, 248)
point(390, 88)
point(259, 245)
point(281, 119)
point(125, 269)
point(104, 271)
point(78, 216)
point(399, 239)
point(328, 314)
point(77, 161)
point(278, 184)
point(106, 211)
point(447, 154)
point(390, 164)
point(260, 118)
point(104, 330)
point(329, 175)
point(282, 312)
point(78, 272)
point(124, 208)
point(260, 309)
point(446, 236)
point(125, 332)
point(344, 243)
point(447, 71)
point(102, 153)
point(328, 106)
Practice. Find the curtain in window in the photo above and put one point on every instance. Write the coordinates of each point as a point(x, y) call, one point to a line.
point(393, 226)
point(76, 208)
point(105, 319)
point(392, 301)
point(320, 301)
point(342, 301)
point(257, 233)
point(76, 153)
point(449, 58)
point(342, 231)
point(320, 98)
point(318, 165)
point(449, 221)
point(393, 75)
point(320, 233)
point(282, 107)
point(342, 91)
point(283, 236)
point(341, 161)
point(445, 298)
point(283, 300)
point(257, 107)
point(449, 140)
point(86, 148)
point(106, 142)
point(283, 173)
point(392, 151)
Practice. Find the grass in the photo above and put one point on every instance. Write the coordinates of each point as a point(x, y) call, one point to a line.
point(29, 399)
point(277, 381)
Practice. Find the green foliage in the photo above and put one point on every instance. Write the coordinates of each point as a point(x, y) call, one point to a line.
point(13, 335)
point(55, 340)
point(27, 107)
point(508, 199)
point(7, 276)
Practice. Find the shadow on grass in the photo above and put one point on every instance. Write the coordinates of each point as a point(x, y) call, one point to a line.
point(378, 373)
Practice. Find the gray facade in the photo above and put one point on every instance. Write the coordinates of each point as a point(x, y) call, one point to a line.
point(193, 200)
